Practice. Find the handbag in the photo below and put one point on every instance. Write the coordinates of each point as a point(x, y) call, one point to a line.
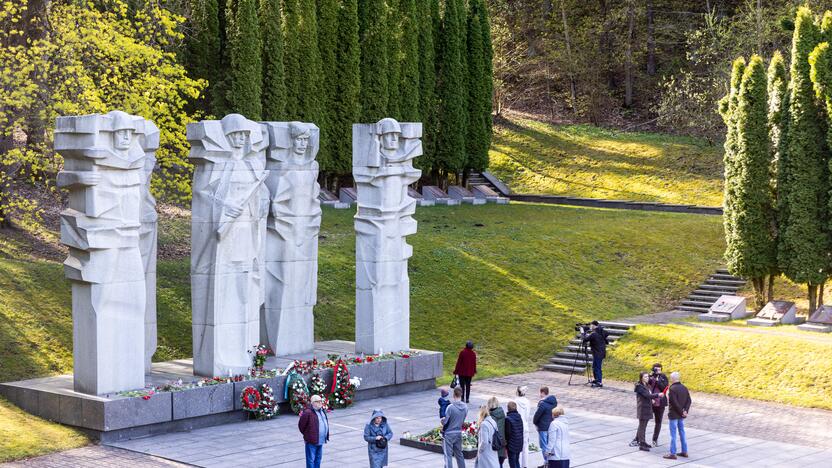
point(455, 381)
point(381, 443)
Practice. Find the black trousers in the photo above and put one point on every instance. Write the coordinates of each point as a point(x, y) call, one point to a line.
point(658, 414)
point(642, 428)
point(465, 384)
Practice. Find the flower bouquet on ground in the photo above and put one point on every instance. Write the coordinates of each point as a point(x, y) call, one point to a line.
point(432, 440)
point(259, 354)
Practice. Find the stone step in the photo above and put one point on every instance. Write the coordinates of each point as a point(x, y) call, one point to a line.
point(697, 303)
point(721, 282)
point(568, 362)
point(611, 338)
point(703, 310)
point(576, 348)
point(617, 325)
point(578, 357)
point(722, 271)
point(560, 368)
point(703, 298)
point(719, 288)
point(720, 276)
point(706, 292)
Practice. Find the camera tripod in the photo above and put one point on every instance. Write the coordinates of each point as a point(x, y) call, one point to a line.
point(582, 351)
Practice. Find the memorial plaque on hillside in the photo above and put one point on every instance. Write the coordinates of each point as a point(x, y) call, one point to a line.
point(775, 310)
point(727, 304)
point(822, 314)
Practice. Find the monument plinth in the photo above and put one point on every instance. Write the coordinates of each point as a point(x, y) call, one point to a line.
point(776, 313)
point(820, 320)
point(725, 309)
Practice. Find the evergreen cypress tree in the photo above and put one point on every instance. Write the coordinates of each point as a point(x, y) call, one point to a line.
point(803, 256)
point(203, 51)
point(479, 109)
point(274, 87)
point(727, 109)
point(246, 71)
point(751, 251)
point(452, 128)
point(408, 98)
point(394, 58)
point(778, 118)
point(306, 75)
point(327, 23)
point(488, 73)
point(427, 87)
point(374, 60)
point(345, 110)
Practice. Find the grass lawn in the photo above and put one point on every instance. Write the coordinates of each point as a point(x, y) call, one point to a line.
point(23, 435)
point(587, 161)
point(766, 366)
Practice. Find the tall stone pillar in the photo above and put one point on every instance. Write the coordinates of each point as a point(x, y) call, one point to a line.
point(382, 163)
point(228, 233)
point(148, 236)
point(287, 322)
point(104, 172)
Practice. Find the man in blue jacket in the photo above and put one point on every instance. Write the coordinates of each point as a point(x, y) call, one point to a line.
point(543, 417)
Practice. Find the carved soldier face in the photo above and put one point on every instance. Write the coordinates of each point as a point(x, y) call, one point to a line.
point(300, 143)
point(237, 139)
point(122, 139)
point(390, 141)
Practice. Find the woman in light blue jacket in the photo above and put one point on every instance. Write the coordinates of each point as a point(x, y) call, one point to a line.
point(486, 455)
point(374, 431)
point(557, 448)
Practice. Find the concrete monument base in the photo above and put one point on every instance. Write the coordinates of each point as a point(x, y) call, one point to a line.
point(112, 417)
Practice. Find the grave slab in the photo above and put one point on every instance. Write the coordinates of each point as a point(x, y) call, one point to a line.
point(726, 308)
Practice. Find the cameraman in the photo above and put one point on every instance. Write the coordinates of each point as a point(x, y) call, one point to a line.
point(597, 339)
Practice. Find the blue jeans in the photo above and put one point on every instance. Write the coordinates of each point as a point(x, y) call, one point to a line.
point(544, 441)
point(596, 368)
point(680, 424)
point(314, 454)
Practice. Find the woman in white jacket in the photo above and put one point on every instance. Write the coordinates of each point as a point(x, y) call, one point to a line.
point(557, 449)
point(486, 455)
point(523, 407)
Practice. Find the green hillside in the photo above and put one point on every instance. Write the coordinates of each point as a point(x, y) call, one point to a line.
point(588, 161)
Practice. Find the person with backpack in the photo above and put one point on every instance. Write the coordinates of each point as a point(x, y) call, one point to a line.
point(377, 434)
point(499, 417)
point(488, 440)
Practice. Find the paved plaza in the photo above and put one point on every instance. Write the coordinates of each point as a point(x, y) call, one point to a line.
point(722, 431)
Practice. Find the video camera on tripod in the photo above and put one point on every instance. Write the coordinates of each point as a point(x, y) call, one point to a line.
point(582, 328)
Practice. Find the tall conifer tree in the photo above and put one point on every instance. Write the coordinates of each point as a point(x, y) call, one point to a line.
point(345, 110)
point(246, 72)
point(727, 109)
point(395, 20)
point(488, 52)
point(805, 243)
point(479, 105)
point(778, 118)
point(751, 251)
point(408, 99)
point(274, 86)
point(305, 76)
point(292, 57)
point(327, 22)
point(203, 49)
point(427, 87)
point(451, 131)
point(373, 36)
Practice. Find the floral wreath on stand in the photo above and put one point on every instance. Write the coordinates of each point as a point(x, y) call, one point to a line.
point(317, 386)
point(268, 405)
point(343, 387)
point(296, 392)
point(250, 399)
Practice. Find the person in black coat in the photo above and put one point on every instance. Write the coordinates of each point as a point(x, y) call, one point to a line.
point(597, 339)
point(658, 383)
point(514, 435)
point(644, 409)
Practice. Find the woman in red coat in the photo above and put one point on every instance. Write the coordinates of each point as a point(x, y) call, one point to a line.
point(466, 368)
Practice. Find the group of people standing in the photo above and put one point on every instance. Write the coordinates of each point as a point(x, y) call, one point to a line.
point(654, 393)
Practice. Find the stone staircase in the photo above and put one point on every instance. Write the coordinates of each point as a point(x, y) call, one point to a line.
point(571, 356)
point(487, 179)
point(717, 284)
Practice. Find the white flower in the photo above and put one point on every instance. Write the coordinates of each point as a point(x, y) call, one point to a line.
point(355, 381)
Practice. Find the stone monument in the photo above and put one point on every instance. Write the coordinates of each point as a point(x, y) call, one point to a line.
point(725, 308)
point(291, 281)
point(382, 160)
point(148, 235)
point(104, 171)
point(228, 232)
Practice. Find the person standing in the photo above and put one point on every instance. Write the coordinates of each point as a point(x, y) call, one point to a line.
point(378, 434)
point(524, 408)
point(657, 383)
point(314, 426)
point(557, 448)
point(499, 417)
point(515, 435)
point(678, 398)
point(542, 419)
point(597, 338)
point(486, 455)
point(452, 431)
point(443, 403)
point(466, 368)
point(644, 409)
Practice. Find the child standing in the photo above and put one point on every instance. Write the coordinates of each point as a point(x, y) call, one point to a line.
point(443, 403)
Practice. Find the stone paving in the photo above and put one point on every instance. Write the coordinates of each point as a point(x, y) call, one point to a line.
point(722, 431)
point(95, 456)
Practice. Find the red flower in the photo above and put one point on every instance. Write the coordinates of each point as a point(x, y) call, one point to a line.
point(370, 359)
point(405, 356)
point(146, 397)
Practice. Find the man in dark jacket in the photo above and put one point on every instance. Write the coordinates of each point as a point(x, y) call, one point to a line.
point(543, 417)
point(514, 435)
point(314, 426)
point(678, 399)
point(658, 384)
point(597, 338)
